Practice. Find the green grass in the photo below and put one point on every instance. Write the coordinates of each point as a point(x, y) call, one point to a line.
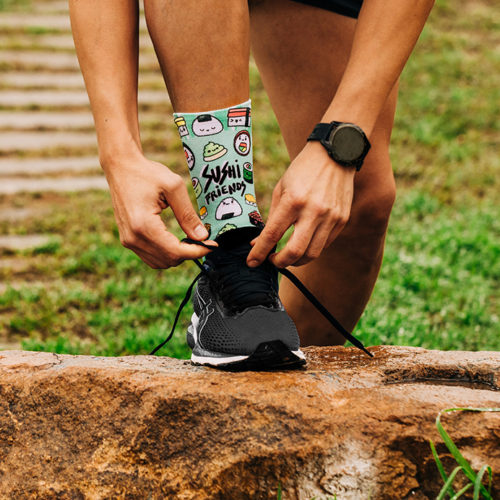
point(473, 480)
point(440, 281)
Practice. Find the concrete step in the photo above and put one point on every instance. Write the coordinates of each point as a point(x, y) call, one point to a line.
point(34, 141)
point(50, 98)
point(24, 242)
point(41, 166)
point(48, 121)
point(29, 120)
point(71, 80)
point(16, 21)
point(61, 41)
point(58, 61)
point(14, 185)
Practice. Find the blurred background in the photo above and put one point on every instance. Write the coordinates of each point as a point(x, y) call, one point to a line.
point(67, 285)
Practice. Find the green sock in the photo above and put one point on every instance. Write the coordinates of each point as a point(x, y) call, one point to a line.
point(218, 148)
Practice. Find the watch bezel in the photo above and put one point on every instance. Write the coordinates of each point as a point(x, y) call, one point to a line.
point(328, 144)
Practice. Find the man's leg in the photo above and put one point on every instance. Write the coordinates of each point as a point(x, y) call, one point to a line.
point(203, 49)
point(301, 52)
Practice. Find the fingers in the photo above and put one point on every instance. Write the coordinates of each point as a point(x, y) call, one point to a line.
point(279, 221)
point(297, 244)
point(158, 248)
point(184, 212)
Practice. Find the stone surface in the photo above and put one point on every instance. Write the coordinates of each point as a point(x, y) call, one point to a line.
point(19, 21)
point(151, 427)
point(14, 185)
point(39, 79)
point(17, 166)
point(35, 120)
point(11, 142)
point(59, 61)
point(23, 242)
point(56, 98)
point(63, 41)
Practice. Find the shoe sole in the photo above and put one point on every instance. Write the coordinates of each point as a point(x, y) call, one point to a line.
point(274, 355)
point(271, 355)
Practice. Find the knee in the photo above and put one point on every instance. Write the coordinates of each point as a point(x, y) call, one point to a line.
point(372, 207)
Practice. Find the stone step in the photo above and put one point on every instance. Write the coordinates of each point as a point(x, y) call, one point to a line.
point(26, 120)
point(72, 80)
point(50, 7)
point(40, 166)
point(15, 21)
point(49, 98)
point(48, 121)
point(18, 20)
point(23, 79)
point(15, 185)
point(14, 214)
point(62, 41)
point(33, 141)
point(58, 61)
point(24, 242)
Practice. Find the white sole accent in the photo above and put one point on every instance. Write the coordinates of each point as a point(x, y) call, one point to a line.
point(205, 360)
point(223, 360)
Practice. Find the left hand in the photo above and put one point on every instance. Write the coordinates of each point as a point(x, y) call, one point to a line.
point(315, 196)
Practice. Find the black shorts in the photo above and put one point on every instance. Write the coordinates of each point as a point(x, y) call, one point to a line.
point(348, 8)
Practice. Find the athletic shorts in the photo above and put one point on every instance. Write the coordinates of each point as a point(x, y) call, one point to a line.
point(348, 8)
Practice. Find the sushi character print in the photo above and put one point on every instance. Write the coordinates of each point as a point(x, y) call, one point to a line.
point(226, 228)
point(196, 186)
point(228, 208)
point(248, 172)
point(189, 156)
point(242, 143)
point(256, 219)
point(238, 117)
point(206, 125)
point(250, 200)
point(213, 151)
point(180, 121)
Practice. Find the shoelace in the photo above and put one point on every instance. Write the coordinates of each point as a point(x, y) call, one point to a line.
point(239, 286)
point(285, 272)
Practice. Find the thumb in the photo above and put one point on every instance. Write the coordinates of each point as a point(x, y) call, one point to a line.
point(185, 214)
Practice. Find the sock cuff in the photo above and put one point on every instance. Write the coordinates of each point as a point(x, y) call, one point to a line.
point(246, 104)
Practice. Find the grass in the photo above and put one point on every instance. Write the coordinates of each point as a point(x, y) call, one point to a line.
point(439, 285)
point(473, 480)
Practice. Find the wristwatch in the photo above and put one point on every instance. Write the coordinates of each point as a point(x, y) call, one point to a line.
point(346, 143)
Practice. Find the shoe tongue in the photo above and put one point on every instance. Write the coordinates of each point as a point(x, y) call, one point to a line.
point(237, 237)
point(244, 286)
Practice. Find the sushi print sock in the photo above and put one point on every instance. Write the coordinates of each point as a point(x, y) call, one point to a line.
point(218, 149)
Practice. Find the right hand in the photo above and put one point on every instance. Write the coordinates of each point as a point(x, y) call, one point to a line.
point(140, 190)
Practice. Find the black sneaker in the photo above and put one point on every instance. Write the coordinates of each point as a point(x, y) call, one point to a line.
point(239, 321)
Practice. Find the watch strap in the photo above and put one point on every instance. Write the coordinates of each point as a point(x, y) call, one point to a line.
point(322, 131)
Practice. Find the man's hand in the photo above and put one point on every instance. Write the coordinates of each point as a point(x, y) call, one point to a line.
point(140, 190)
point(315, 196)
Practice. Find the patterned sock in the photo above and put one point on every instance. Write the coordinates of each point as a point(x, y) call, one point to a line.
point(218, 148)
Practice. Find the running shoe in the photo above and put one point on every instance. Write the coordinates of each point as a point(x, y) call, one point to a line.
point(239, 321)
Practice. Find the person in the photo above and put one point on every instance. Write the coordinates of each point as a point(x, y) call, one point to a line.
point(330, 62)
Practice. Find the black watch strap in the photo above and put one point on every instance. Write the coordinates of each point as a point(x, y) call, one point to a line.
point(322, 131)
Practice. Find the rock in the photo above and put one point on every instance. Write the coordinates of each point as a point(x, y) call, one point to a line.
point(151, 427)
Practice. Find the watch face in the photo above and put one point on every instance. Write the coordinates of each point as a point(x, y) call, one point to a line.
point(347, 143)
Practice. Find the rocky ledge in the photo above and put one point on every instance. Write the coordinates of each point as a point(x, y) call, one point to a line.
point(75, 427)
